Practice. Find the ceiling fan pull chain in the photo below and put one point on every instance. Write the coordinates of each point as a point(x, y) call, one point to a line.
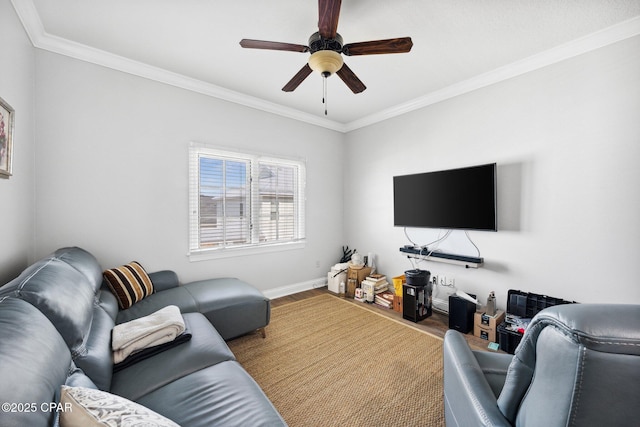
point(324, 93)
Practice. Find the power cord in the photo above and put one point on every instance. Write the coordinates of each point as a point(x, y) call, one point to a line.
point(474, 245)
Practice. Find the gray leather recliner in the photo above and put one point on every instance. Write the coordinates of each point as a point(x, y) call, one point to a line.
point(577, 365)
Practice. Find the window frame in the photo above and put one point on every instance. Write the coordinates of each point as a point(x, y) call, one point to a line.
point(195, 251)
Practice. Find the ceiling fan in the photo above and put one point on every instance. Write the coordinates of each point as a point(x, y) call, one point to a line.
point(326, 47)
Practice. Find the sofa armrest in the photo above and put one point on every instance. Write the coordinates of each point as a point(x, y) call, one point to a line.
point(469, 399)
point(165, 279)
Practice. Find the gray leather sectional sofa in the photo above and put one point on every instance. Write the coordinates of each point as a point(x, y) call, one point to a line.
point(55, 329)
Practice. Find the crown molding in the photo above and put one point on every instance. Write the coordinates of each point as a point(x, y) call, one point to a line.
point(32, 24)
point(116, 62)
point(602, 38)
point(40, 39)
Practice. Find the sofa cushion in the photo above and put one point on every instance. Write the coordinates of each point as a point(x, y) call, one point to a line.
point(89, 407)
point(108, 302)
point(84, 262)
point(96, 357)
point(130, 283)
point(34, 363)
point(62, 294)
point(175, 296)
point(63, 288)
point(164, 279)
point(205, 348)
point(220, 395)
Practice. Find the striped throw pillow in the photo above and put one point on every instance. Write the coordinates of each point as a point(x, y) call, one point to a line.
point(130, 283)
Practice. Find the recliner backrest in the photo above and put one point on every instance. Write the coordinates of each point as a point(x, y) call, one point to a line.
point(34, 363)
point(65, 287)
point(577, 364)
point(61, 293)
point(84, 262)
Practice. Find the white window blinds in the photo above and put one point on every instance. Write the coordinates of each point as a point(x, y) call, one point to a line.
point(240, 200)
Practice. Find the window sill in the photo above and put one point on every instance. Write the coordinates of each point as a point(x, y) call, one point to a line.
point(209, 254)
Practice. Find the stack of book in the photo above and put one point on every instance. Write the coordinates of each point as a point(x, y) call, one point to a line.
point(377, 281)
point(384, 299)
point(375, 289)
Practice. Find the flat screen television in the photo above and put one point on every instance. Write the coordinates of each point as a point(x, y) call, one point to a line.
point(463, 199)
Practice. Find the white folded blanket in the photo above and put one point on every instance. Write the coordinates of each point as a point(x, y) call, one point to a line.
point(157, 328)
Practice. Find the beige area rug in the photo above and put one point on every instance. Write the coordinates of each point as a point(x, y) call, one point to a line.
point(327, 362)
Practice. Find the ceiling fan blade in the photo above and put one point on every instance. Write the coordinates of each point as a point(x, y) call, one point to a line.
point(376, 47)
point(298, 78)
point(262, 44)
point(350, 79)
point(328, 14)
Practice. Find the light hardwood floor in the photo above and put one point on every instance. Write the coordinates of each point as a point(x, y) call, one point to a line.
point(437, 324)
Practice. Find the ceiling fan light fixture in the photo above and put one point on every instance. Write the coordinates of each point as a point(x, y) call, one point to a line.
point(325, 62)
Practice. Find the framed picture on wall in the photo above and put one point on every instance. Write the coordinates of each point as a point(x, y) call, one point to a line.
point(6, 138)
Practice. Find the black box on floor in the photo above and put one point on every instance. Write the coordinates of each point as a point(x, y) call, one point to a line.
point(416, 302)
point(522, 305)
point(508, 340)
point(461, 314)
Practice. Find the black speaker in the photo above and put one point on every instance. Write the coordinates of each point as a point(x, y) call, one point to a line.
point(461, 314)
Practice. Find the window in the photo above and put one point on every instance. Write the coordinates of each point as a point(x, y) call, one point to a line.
point(243, 201)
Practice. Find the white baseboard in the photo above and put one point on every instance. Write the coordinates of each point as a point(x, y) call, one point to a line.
point(283, 291)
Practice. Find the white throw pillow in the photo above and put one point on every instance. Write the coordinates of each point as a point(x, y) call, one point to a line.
point(86, 407)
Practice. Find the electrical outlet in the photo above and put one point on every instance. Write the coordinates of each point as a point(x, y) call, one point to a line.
point(434, 280)
point(451, 282)
point(443, 281)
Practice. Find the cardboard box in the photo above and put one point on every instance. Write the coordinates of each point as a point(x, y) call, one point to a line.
point(485, 334)
point(397, 303)
point(354, 277)
point(484, 326)
point(334, 277)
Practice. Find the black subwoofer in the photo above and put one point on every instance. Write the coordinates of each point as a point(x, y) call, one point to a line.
point(461, 314)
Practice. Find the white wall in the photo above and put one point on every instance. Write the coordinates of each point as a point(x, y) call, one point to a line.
point(111, 172)
point(567, 142)
point(16, 193)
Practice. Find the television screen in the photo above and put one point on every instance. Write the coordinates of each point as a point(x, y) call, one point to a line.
point(462, 199)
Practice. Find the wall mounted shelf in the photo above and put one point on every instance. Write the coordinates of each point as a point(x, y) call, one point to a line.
point(421, 253)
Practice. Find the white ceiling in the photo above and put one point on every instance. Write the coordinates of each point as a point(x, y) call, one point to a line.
point(459, 45)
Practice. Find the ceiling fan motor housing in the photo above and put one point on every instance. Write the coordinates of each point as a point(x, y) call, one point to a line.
point(317, 42)
point(325, 54)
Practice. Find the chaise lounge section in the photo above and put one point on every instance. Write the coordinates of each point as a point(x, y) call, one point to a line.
point(56, 320)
